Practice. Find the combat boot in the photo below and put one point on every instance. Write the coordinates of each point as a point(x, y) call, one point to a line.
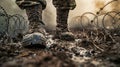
point(62, 31)
point(62, 8)
point(36, 34)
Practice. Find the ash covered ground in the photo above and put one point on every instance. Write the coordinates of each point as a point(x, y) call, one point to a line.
point(91, 48)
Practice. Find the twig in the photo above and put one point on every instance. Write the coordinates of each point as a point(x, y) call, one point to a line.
point(98, 47)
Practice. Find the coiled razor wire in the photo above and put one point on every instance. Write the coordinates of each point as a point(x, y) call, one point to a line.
point(3, 20)
point(12, 25)
point(109, 20)
point(117, 18)
point(109, 16)
point(17, 25)
point(91, 22)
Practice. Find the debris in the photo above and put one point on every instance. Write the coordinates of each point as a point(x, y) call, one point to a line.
point(50, 41)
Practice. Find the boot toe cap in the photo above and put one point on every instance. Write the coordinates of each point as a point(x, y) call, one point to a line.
point(34, 39)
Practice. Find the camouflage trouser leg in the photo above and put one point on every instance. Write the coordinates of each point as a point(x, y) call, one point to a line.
point(62, 16)
point(34, 14)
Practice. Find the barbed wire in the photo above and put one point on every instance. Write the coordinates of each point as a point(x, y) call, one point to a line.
point(12, 25)
point(86, 22)
point(3, 20)
point(17, 24)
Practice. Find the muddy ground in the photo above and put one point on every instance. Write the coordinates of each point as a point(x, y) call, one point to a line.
point(91, 48)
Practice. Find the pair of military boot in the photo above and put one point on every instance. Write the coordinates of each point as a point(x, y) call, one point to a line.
point(36, 33)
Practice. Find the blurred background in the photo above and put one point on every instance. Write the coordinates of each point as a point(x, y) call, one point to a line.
point(49, 14)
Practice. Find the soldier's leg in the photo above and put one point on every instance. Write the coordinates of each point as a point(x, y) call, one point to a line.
point(36, 30)
point(34, 14)
point(62, 16)
point(63, 7)
point(35, 35)
point(34, 10)
point(62, 31)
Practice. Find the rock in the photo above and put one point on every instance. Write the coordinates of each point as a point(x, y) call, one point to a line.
point(34, 39)
point(68, 36)
point(80, 51)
